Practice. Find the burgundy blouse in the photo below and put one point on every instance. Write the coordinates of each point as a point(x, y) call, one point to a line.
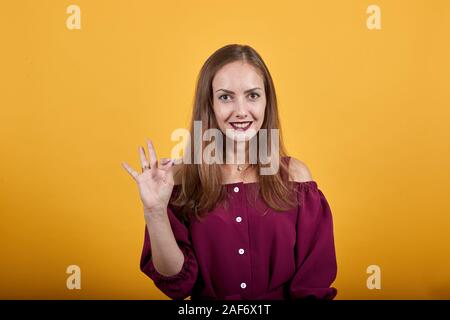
point(239, 253)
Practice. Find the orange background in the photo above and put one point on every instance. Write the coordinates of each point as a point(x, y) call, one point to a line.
point(366, 110)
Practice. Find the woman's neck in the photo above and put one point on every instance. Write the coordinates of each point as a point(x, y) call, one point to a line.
point(236, 153)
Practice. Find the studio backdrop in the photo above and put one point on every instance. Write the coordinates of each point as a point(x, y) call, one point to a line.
point(364, 99)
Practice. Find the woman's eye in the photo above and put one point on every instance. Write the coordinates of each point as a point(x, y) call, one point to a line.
point(255, 95)
point(224, 95)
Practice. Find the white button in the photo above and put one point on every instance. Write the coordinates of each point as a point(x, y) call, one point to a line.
point(238, 219)
point(241, 251)
point(243, 285)
point(236, 189)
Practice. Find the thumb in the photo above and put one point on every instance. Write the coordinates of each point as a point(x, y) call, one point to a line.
point(165, 163)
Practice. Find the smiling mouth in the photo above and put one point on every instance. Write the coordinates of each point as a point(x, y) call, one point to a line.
point(241, 126)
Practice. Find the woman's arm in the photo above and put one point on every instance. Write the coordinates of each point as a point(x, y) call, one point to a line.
point(167, 257)
point(176, 276)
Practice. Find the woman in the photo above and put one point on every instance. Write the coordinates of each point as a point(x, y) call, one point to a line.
point(223, 230)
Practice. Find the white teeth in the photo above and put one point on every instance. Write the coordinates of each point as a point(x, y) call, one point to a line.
point(241, 125)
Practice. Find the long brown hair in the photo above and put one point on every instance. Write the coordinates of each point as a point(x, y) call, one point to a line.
point(201, 184)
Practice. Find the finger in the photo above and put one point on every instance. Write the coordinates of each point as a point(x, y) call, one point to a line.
point(130, 170)
point(144, 162)
point(152, 154)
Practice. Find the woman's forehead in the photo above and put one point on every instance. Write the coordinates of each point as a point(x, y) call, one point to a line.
point(237, 76)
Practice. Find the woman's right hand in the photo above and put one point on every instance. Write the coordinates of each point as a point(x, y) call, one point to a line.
point(155, 182)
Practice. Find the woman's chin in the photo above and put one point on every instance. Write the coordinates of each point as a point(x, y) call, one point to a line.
point(240, 136)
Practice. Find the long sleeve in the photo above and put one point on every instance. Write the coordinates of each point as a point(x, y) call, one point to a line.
point(315, 256)
point(180, 285)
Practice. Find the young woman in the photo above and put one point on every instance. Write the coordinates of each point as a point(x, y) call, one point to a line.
point(224, 230)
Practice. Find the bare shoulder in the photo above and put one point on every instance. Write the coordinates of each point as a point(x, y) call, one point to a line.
point(177, 173)
point(298, 171)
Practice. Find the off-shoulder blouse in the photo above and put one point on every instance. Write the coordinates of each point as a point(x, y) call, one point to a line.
point(238, 253)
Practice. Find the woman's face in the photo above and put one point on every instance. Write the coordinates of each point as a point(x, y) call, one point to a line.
point(239, 100)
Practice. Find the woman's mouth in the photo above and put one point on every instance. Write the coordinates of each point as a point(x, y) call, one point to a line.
point(241, 126)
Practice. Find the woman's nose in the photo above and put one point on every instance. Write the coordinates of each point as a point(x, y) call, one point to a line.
point(241, 108)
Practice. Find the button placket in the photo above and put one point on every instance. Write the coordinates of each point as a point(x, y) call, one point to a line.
point(240, 210)
point(241, 195)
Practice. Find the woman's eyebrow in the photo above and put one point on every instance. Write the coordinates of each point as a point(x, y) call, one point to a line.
point(231, 92)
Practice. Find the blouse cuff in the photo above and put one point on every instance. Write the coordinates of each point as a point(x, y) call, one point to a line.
point(315, 293)
point(189, 264)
